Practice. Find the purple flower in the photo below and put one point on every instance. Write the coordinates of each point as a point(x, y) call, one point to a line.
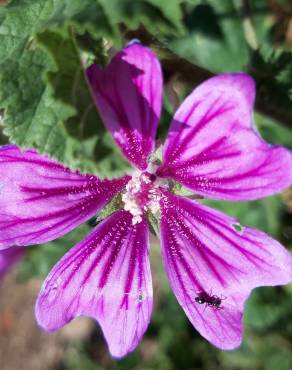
point(211, 261)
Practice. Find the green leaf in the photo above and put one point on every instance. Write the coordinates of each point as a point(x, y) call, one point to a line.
point(154, 222)
point(70, 84)
point(272, 131)
point(273, 73)
point(114, 205)
point(171, 10)
point(20, 19)
point(32, 118)
point(263, 310)
point(215, 38)
point(158, 16)
point(48, 106)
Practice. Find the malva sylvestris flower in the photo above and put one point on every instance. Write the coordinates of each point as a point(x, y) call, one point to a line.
point(212, 149)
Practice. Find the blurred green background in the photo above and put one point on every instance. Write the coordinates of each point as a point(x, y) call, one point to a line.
point(45, 103)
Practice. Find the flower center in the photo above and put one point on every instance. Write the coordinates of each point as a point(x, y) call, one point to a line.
point(143, 193)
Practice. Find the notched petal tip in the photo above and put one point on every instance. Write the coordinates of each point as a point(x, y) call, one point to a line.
point(131, 118)
point(240, 82)
point(134, 42)
point(106, 277)
point(213, 267)
point(213, 149)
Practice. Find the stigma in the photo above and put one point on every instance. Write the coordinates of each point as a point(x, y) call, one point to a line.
point(143, 193)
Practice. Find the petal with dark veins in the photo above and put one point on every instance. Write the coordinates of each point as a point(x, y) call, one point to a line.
point(41, 200)
point(207, 252)
point(106, 276)
point(128, 95)
point(213, 148)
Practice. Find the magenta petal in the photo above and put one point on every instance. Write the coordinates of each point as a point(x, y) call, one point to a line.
point(128, 94)
point(106, 276)
point(8, 257)
point(206, 251)
point(41, 200)
point(213, 149)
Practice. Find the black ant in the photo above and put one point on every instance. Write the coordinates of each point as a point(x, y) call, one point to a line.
point(210, 300)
